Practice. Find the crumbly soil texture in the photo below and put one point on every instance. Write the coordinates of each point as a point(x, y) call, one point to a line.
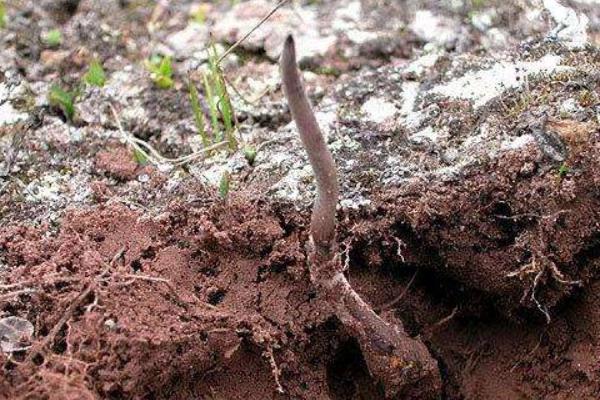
point(471, 222)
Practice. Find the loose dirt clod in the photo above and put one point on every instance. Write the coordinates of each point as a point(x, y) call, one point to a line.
point(401, 363)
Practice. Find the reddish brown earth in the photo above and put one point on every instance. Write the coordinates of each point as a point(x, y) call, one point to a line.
point(211, 299)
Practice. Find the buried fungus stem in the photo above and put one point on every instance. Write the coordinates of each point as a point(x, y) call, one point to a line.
point(402, 364)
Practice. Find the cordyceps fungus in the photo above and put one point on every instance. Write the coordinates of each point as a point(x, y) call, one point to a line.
point(402, 364)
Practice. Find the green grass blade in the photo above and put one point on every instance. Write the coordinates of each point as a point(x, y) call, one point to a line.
point(225, 108)
point(3, 17)
point(95, 76)
point(224, 185)
point(212, 107)
point(60, 98)
point(161, 69)
point(139, 157)
point(198, 116)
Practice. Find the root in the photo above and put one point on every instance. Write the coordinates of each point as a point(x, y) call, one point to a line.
point(345, 254)
point(531, 353)
point(543, 309)
point(475, 356)
point(539, 269)
point(401, 245)
point(153, 155)
point(402, 364)
point(49, 339)
point(275, 371)
point(431, 329)
point(398, 298)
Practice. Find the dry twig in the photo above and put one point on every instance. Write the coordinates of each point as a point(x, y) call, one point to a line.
point(251, 31)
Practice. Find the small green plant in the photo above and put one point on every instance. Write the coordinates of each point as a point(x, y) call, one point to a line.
point(198, 15)
point(3, 16)
point(520, 104)
point(52, 38)
point(198, 116)
point(63, 100)
point(587, 98)
point(95, 75)
point(139, 157)
point(161, 69)
point(215, 87)
point(328, 71)
point(224, 185)
point(250, 154)
point(563, 170)
point(212, 106)
point(220, 109)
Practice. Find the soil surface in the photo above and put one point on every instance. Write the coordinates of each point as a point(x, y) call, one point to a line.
point(470, 211)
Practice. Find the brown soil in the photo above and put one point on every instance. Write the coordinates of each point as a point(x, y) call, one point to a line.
point(515, 228)
point(495, 272)
point(212, 299)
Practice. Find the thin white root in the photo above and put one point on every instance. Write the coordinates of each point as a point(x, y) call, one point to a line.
point(153, 155)
point(397, 299)
point(345, 255)
point(538, 269)
point(442, 321)
point(401, 245)
point(537, 346)
point(262, 21)
point(275, 371)
point(543, 309)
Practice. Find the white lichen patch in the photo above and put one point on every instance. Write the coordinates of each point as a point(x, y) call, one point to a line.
point(378, 110)
point(348, 21)
point(483, 20)
point(212, 171)
point(434, 28)
point(571, 27)
point(428, 134)
point(326, 118)
point(8, 114)
point(344, 142)
point(124, 84)
point(516, 143)
point(189, 42)
point(418, 67)
point(46, 188)
point(355, 202)
point(303, 22)
point(482, 86)
point(358, 36)
point(293, 186)
point(570, 106)
point(411, 118)
point(347, 17)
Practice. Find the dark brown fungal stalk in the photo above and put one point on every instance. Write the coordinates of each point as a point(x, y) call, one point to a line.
point(402, 364)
